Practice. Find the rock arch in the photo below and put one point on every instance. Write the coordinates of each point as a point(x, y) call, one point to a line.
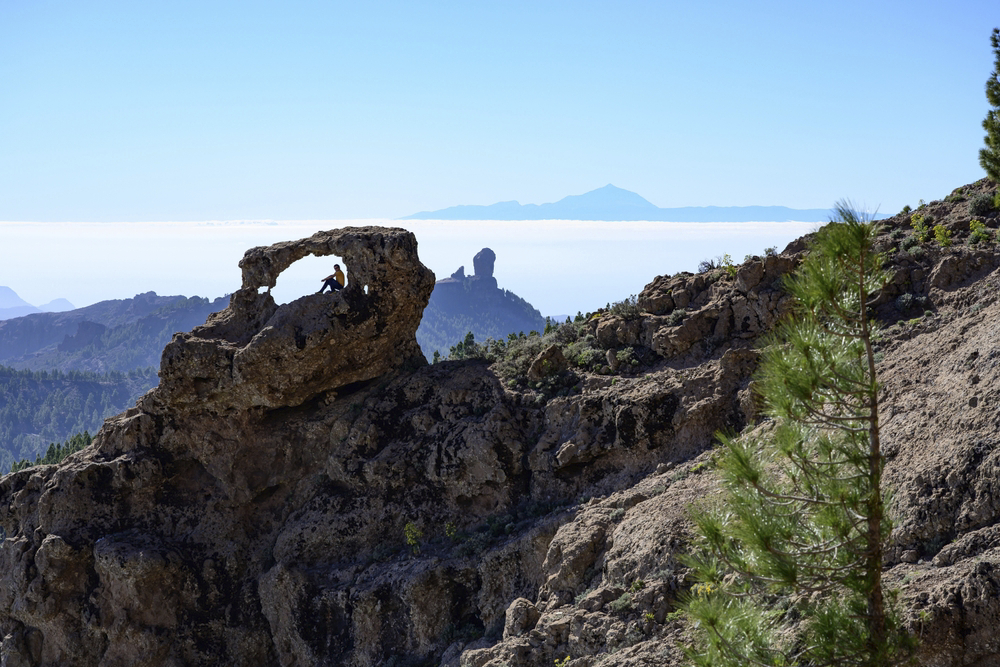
point(258, 354)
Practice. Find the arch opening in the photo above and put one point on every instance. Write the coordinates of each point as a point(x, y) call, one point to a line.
point(306, 276)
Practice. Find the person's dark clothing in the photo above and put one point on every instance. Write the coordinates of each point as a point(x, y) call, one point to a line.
point(332, 283)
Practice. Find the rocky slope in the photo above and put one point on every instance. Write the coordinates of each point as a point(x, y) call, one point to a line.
point(301, 489)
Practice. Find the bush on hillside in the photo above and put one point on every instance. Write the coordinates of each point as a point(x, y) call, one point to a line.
point(627, 309)
point(981, 205)
point(978, 233)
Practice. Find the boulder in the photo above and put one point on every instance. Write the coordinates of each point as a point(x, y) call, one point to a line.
point(549, 361)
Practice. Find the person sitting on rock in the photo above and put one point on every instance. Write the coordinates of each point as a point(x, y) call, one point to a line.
point(335, 282)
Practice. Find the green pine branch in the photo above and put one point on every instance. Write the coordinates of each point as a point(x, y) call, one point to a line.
point(789, 559)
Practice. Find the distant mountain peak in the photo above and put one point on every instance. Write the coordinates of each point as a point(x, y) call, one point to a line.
point(612, 203)
point(11, 305)
point(609, 194)
point(10, 299)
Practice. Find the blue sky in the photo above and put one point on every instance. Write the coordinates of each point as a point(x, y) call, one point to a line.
point(147, 111)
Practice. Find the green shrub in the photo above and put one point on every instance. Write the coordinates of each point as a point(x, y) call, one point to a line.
point(978, 233)
point(589, 358)
point(412, 534)
point(917, 252)
point(676, 317)
point(475, 545)
point(942, 235)
point(627, 309)
point(622, 604)
point(920, 227)
point(981, 204)
point(909, 242)
point(906, 210)
point(897, 234)
point(728, 266)
point(724, 262)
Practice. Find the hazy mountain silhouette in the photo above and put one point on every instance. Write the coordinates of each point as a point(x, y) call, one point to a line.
point(11, 305)
point(114, 335)
point(460, 304)
point(611, 203)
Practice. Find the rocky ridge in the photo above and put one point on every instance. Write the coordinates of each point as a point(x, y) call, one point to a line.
point(461, 304)
point(274, 503)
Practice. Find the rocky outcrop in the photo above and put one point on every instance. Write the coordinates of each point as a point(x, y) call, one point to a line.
point(270, 505)
point(483, 264)
point(461, 304)
point(257, 354)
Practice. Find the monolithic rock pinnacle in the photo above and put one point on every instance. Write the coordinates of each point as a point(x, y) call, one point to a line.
point(483, 263)
point(258, 354)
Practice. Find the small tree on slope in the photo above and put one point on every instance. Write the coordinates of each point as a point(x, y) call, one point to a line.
point(989, 157)
point(789, 560)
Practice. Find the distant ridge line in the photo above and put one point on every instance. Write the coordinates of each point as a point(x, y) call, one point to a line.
point(612, 204)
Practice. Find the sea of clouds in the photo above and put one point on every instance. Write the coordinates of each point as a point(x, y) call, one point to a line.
point(559, 266)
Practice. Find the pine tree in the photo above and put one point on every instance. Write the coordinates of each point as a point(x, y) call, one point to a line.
point(989, 157)
point(789, 559)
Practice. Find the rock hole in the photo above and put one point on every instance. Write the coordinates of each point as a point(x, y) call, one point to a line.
point(305, 277)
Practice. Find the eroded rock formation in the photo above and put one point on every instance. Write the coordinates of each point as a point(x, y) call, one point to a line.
point(271, 504)
point(257, 354)
point(461, 304)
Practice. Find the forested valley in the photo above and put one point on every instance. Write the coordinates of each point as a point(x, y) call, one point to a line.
point(38, 408)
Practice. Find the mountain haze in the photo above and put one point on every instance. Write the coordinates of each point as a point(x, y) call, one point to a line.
point(11, 305)
point(113, 335)
point(612, 203)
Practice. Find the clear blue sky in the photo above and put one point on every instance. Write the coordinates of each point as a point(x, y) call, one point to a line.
point(143, 111)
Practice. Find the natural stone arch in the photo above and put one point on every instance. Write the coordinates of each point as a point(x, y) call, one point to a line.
point(256, 353)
